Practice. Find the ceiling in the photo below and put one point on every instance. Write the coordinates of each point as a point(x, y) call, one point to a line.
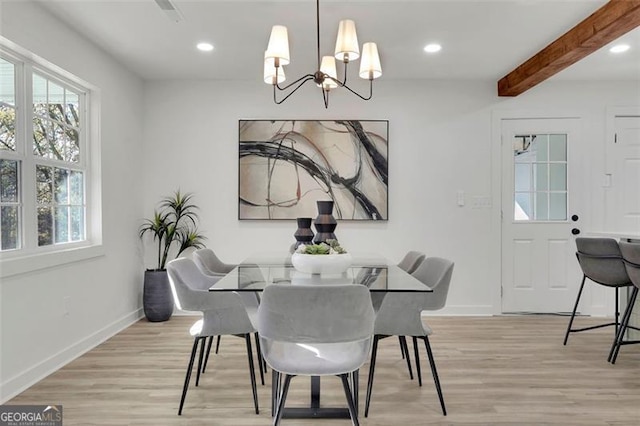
point(481, 39)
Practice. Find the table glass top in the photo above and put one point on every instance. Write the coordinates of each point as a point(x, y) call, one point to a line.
point(379, 275)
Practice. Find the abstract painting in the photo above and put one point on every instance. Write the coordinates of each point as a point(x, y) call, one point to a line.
point(285, 166)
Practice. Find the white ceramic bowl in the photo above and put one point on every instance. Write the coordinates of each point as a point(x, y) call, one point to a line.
point(321, 263)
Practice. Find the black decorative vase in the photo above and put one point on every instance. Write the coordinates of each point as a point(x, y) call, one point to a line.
point(304, 234)
point(157, 299)
point(325, 223)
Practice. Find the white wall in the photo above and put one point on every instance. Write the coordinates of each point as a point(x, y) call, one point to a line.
point(183, 134)
point(104, 292)
point(440, 141)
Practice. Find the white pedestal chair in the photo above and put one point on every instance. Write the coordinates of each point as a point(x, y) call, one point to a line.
point(222, 313)
point(631, 257)
point(209, 264)
point(601, 261)
point(400, 315)
point(315, 331)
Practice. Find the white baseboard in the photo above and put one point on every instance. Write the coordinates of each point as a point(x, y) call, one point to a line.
point(462, 310)
point(19, 383)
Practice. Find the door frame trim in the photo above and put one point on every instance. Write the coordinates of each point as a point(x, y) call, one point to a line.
point(495, 245)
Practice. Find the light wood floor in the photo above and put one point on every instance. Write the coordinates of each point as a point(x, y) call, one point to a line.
point(494, 371)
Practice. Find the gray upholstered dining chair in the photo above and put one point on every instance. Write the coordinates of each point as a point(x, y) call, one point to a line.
point(411, 261)
point(408, 263)
point(210, 265)
point(631, 258)
point(601, 261)
point(400, 315)
point(315, 331)
point(222, 313)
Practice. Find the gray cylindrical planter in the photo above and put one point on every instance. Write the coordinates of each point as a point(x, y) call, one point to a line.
point(157, 299)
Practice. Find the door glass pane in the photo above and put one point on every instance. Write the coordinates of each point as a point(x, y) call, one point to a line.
point(542, 206)
point(541, 147)
point(541, 177)
point(523, 209)
point(558, 147)
point(558, 206)
point(523, 177)
point(558, 177)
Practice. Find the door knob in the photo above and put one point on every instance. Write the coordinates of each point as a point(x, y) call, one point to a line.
point(575, 231)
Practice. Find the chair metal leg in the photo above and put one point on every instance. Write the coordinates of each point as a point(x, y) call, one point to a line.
point(203, 340)
point(188, 376)
point(372, 370)
point(260, 361)
point(218, 344)
point(405, 348)
point(401, 347)
point(355, 379)
point(281, 400)
point(206, 357)
point(252, 373)
point(619, 341)
point(275, 389)
point(575, 308)
point(417, 356)
point(353, 412)
point(435, 374)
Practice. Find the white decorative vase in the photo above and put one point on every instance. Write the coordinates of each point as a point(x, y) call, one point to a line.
point(330, 264)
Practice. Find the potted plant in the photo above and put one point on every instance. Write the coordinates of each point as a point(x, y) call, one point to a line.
point(174, 224)
point(323, 258)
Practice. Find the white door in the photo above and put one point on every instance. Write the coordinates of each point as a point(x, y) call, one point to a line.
point(623, 192)
point(540, 213)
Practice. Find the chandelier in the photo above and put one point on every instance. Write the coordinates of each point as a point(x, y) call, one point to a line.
point(277, 56)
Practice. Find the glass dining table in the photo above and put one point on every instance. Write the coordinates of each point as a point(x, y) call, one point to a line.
point(378, 274)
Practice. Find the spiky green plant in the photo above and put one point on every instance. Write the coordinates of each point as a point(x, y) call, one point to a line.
point(174, 222)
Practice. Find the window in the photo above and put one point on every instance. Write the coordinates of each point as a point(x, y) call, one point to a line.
point(540, 173)
point(44, 158)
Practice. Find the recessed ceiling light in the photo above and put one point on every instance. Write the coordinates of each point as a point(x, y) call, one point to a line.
point(205, 47)
point(432, 48)
point(619, 48)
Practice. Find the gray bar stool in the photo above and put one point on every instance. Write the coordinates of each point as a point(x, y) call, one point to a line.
point(601, 261)
point(631, 257)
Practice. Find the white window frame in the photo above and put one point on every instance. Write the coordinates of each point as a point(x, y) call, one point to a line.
point(30, 256)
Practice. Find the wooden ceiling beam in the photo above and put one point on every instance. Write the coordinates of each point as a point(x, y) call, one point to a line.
point(615, 18)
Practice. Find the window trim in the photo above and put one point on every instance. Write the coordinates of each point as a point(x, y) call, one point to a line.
point(32, 257)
